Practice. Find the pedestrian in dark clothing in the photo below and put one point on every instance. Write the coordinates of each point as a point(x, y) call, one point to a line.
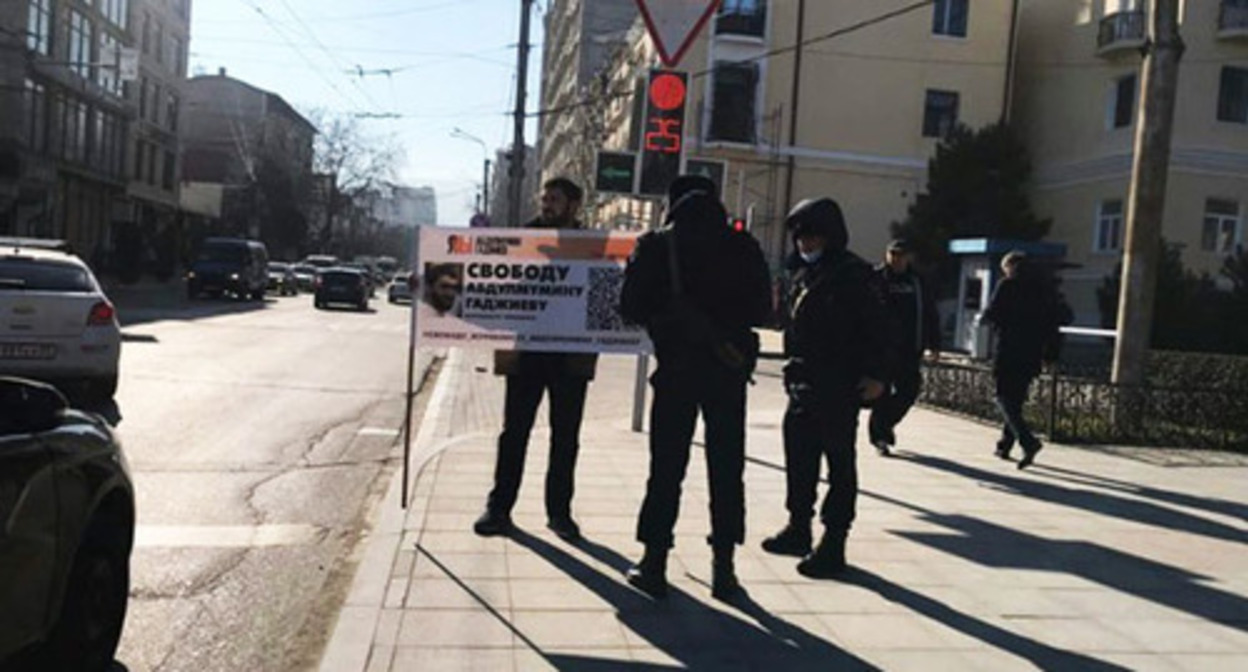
point(835, 343)
point(699, 288)
point(564, 377)
point(913, 330)
point(1024, 314)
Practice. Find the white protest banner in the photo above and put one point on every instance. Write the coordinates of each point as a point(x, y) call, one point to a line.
point(552, 290)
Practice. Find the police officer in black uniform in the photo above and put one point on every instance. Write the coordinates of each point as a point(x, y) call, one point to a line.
point(913, 329)
point(701, 326)
point(835, 343)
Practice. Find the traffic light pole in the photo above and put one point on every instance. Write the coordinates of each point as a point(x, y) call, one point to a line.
point(1142, 247)
point(516, 169)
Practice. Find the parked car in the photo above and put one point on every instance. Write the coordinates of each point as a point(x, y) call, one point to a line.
point(58, 326)
point(229, 265)
point(342, 286)
point(400, 288)
point(282, 279)
point(66, 533)
point(305, 277)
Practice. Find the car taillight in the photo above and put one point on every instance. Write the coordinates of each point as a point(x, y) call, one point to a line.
point(317, 283)
point(102, 315)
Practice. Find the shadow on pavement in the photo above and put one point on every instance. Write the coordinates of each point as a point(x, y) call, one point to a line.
point(1041, 655)
point(991, 545)
point(1145, 513)
point(1219, 506)
point(688, 631)
point(131, 315)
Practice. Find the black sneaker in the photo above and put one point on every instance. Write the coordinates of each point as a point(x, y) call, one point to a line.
point(492, 524)
point(793, 540)
point(649, 575)
point(827, 560)
point(1003, 450)
point(882, 447)
point(1029, 456)
point(564, 527)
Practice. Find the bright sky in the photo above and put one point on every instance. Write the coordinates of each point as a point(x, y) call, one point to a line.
point(453, 65)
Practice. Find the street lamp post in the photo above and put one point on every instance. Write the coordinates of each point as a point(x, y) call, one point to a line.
point(485, 176)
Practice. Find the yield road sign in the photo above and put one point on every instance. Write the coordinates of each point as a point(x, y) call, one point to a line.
point(673, 24)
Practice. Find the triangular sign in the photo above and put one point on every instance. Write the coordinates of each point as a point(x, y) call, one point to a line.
point(673, 24)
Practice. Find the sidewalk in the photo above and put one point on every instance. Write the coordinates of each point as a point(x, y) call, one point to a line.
point(960, 562)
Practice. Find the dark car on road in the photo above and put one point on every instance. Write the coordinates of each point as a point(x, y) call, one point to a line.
point(282, 279)
point(66, 533)
point(341, 286)
point(229, 265)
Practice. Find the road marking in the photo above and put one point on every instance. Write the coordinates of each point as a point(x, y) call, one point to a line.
point(379, 431)
point(224, 536)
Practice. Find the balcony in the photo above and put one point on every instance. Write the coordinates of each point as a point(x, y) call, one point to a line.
point(1119, 32)
point(1233, 19)
point(742, 24)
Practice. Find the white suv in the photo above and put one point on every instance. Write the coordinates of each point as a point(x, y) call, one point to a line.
point(56, 324)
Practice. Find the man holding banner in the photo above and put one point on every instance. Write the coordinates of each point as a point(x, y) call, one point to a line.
point(698, 287)
point(564, 377)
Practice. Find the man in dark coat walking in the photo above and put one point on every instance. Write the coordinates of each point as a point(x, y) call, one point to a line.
point(835, 342)
point(564, 377)
point(1024, 313)
point(913, 330)
point(698, 288)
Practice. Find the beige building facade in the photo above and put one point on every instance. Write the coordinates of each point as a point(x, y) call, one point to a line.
point(871, 105)
point(1077, 107)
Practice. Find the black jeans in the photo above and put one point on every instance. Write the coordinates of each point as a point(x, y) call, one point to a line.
point(567, 405)
point(821, 425)
point(678, 396)
point(1012, 389)
point(890, 409)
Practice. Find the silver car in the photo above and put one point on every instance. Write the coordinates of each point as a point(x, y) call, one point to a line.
point(56, 324)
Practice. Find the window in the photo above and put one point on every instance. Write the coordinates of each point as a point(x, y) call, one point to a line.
point(1122, 112)
point(167, 172)
point(172, 106)
point(158, 44)
point(140, 158)
point(146, 42)
point(80, 39)
point(733, 94)
point(116, 11)
point(108, 74)
point(155, 99)
point(1233, 96)
point(142, 97)
point(742, 17)
point(151, 163)
point(39, 27)
point(1221, 228)
point(36, 116)
point(178, 56)
point(1109, 225)
point(940, 113)
point(950, 17)
point(1119, 6)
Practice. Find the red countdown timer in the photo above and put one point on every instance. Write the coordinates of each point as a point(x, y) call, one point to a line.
point(663, 140)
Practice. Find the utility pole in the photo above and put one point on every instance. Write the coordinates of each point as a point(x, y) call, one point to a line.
point(1145, 212)
point(517, 146)
point(794, 108)
point(485, 189)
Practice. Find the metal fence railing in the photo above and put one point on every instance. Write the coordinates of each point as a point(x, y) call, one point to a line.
point(1121, 27)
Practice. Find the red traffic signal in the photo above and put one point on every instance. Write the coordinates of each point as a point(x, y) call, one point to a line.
point(738, 224)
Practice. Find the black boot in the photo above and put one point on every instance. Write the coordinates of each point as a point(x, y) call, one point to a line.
point(827, 560)
point(724, 583)
point(650, 575)
point(793, 540)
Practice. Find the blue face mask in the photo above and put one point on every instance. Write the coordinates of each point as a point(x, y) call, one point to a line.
point(811, 257)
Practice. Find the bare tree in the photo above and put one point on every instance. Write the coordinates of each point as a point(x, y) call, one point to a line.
point(359, 162)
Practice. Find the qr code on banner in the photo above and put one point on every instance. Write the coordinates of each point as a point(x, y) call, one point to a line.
point(603, 313)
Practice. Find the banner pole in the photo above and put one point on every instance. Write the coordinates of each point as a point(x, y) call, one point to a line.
point(410, 395)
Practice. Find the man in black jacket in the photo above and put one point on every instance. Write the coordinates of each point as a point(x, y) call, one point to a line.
point(565, 378)
point(914, 329)
point(1024, 313)
point(698, 287)
point(835, 343)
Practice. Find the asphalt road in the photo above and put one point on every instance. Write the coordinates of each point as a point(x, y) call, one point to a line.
point(261, 437)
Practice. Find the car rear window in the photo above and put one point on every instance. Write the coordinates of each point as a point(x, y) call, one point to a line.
point(278, 267)
point(230, 254)
point(28, 275)
point(333, 278)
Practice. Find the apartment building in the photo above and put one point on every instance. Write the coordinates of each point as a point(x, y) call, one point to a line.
point(580, 36)
point(64, 120)
point(1077, 107)
point(870, 105)
point(161, 31)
